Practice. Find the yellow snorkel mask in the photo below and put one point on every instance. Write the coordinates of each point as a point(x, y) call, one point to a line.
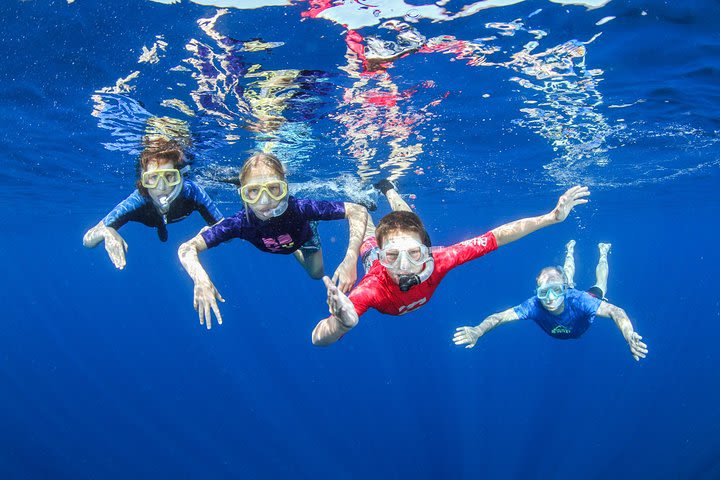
point(252, 192)
point(152, 179)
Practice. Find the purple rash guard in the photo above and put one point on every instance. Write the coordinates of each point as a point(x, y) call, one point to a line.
point(284, 234)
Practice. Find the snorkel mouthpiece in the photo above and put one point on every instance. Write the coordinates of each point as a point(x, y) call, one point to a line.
point(164, 200)
point(407, 281)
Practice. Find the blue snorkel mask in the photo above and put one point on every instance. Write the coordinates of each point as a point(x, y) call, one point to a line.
point(551, 295)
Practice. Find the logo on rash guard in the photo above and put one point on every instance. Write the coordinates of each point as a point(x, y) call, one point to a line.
point(276, 245)
point(561, 330)
point(482, 241)
point(409, 308)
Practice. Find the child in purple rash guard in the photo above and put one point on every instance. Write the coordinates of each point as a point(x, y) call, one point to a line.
point(277, 223)
point(295, 229)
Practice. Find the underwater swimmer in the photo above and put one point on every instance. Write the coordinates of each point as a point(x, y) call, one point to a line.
point(402, 271)
point(274, 222)
point(560, 310)
point(163, 196)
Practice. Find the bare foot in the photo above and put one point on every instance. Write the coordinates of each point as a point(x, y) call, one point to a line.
point(570, 246)
point(604, 248)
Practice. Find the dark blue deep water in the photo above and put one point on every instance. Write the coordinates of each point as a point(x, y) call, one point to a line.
point(107, 374)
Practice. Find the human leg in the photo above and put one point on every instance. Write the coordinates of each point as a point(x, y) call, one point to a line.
point(312, 262)
point(569, 265)
point(602, 270)
point(396, 202)
point(310, 255)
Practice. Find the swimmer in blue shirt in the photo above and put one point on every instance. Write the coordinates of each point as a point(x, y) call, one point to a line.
point(560, 310)
point(274, 222)
point(163, 196)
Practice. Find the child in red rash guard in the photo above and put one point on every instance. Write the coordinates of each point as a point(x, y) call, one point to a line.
point(402, 272)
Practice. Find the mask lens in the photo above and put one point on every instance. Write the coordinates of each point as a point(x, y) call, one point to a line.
point(390, 256)
point(275, 190)
point(554, 291)
point(150, 179)
point(415, 254)
point(250, 193)
point(253, 192)
point(171, 177)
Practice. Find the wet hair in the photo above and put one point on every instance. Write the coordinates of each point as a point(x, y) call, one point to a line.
point(267, 159)
point(556, 270)
point(401, 221)
point(158, 151)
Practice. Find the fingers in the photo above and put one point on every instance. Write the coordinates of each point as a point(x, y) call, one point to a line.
point(578, 190)
point(208, 318)
point(336, 277)
point(639, 352)
point(328, 283)
point(201, 313)
point(217, 312)
point(218, 296)
point(461, 336)
point(345, 283)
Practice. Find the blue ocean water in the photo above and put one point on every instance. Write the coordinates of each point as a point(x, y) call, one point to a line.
point(107, 374)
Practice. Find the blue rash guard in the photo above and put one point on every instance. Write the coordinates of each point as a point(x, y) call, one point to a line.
point(138, 208)
point(579, 312)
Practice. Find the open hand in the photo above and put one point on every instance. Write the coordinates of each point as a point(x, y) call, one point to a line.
point(205, 300)
point(574, 196)
point(637, 347)
point(116, 248)
point(345, 275)
point(467, 336)
point(339, 305)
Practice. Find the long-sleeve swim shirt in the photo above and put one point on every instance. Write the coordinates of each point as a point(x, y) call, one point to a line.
point(141, 209)
point(283, 234)
point(378, 290)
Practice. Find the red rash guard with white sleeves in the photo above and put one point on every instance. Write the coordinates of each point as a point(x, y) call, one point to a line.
point(378, 290)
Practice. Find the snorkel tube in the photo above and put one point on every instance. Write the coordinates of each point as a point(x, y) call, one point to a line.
point(162, 202)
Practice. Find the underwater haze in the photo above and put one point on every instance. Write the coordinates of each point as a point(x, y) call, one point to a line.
point(500, 107)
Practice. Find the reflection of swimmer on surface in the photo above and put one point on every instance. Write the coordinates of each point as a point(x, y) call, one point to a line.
point(163, 196)
point(374, 110)
point(274, 222)
point(379, 52)
point(560, 310)
point(402, 272)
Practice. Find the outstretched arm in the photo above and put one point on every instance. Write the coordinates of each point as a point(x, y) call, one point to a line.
point(115, 245)
point(469, 336)
point(638, 349)
point(343, 317)
point(346, 273)
point(515, 230)
point(205, 293)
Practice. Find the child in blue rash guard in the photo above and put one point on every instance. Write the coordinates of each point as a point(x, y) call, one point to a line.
point(163, 196)
point(274, 222)
point(560, 310)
